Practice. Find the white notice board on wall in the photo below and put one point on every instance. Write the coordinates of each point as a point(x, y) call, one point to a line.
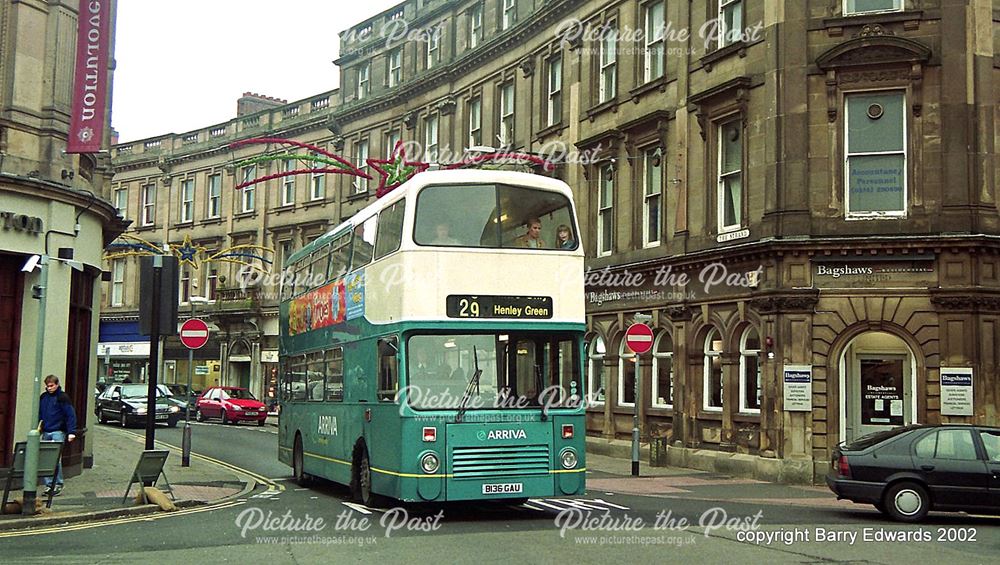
point(798, 388)
point(956, 391)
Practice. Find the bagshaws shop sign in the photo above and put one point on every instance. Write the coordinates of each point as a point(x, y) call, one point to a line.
point(90, 87)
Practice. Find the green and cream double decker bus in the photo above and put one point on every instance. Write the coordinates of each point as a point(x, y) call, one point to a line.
point(432, 345)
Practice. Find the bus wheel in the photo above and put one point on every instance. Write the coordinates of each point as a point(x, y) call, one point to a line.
point(361, 487)
point(300, 475)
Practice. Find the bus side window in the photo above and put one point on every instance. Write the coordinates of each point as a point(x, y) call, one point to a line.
point(364, 243)
point(335, 374)
point(390, 229)
point(315, 376)
point(297, 378)
point(388, 369)
point(339, 257)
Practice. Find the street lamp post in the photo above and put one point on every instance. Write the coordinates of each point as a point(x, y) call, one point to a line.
point(186, 439)
point(39, 291)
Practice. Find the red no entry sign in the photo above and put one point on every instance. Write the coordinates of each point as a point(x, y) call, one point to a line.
point(194, 333)
point(639, 338)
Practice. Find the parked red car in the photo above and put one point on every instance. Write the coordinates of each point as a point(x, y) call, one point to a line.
point(230, 404)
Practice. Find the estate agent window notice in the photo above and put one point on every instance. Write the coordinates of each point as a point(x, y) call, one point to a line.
point(956, 391)
point(798, 388)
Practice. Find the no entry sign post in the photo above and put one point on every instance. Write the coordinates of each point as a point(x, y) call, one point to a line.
point(639, 339)
point(194, 335)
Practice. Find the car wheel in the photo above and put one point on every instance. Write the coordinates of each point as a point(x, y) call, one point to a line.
point(906, 502)
point(225, 418)
point(124, 420)
point(101, 417)
point(300, 475)
point(199, 415)
point(172, 423)
point(260, 422)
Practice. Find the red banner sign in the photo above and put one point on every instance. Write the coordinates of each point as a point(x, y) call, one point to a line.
point(90, 89)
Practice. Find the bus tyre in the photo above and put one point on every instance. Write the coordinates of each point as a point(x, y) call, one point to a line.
point(906, 502)
point(361, 486)
point(300, 475)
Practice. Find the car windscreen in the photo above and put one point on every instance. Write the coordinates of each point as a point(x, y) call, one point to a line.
point(239, 394)
point(140, 391)
point(864, 442)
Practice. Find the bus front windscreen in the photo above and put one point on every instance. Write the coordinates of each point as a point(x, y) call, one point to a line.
point(518, 371)
point(494, 216)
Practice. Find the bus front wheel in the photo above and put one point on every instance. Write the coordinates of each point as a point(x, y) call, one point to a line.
point(361, 487)
point(300, 475)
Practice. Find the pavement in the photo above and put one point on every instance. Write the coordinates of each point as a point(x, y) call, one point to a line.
point(96, 494)
point(614, 474)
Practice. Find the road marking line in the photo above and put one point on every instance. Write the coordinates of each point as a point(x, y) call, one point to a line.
point(543, 503)
point(357, 507)
point(531, 506)
point(582, 504)
point(610, 504)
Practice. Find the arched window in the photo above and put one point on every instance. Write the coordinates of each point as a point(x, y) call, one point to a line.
point(595, 370)
point(626, 375)
point(663, 371)
point(750, 371)
point(713, 371)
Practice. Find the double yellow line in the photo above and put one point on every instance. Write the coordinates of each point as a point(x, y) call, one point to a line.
point(271, 487)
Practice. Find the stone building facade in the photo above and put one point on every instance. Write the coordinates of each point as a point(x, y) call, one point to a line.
point(179, 188)
point(772, 182)
point(51, 204)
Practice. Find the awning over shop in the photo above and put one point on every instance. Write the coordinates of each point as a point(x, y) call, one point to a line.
point(122, 340)
point(121, 331)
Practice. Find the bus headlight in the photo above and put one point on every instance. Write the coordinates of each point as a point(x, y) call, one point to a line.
point(430, 463)
point(568, 458)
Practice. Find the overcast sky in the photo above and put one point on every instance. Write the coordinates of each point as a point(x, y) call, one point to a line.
point(182, 64)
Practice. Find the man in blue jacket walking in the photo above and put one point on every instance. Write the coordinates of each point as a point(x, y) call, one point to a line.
point(55, 410)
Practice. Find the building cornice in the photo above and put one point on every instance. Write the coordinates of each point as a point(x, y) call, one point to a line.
point(844, 247)
point(83, 200)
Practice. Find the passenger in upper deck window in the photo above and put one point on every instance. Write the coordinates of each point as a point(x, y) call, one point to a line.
point(533, 237)
point(564, 237)
point(442, 235)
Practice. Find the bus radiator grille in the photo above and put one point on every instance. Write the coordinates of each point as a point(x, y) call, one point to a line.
point(477, 462)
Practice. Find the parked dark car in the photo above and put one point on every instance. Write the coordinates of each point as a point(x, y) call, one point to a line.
point(184, 397)
point(126, 404)
point(231, 404)
point(909, 471)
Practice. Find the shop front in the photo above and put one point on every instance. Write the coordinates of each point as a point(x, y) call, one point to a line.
point(122, 353)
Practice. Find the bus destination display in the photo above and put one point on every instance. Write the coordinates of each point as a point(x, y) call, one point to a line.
point(468, 306)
